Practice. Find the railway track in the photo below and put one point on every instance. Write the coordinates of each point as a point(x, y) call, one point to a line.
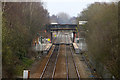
point(50, 66)
point(71, 68)
point(66, 64)
point(49, 70)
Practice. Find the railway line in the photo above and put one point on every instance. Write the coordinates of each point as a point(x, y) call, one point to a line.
point(61, 64)
point(72, 68)
point(62, 39)
point(49, 68)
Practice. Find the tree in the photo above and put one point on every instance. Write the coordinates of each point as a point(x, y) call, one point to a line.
point(53, 19)
point(63, 18)
point(102, 36)
point(21, 23)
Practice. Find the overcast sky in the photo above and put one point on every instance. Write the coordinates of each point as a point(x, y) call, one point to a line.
point(71, 7)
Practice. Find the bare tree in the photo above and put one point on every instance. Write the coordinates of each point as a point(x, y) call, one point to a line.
point(63, 18)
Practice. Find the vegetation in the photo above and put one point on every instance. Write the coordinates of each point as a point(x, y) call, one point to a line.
point(102, 36)
point(21, 23)
point(62, 18)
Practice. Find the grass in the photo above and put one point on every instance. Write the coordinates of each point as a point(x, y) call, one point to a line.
point(26, 63)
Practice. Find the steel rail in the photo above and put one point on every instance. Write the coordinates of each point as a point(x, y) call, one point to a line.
point(75, 64)
point(67, 64)
point(55, 63)
point(66, 40)
point(46, 64)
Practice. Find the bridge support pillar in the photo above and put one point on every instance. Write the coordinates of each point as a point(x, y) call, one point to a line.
point(73, 36)
point(51, 37)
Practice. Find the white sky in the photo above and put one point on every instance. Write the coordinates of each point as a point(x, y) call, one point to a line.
point(71, 7)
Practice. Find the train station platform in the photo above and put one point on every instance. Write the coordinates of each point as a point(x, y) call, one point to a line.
point(76, 48)
point(80, 47)
point(45, 47)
